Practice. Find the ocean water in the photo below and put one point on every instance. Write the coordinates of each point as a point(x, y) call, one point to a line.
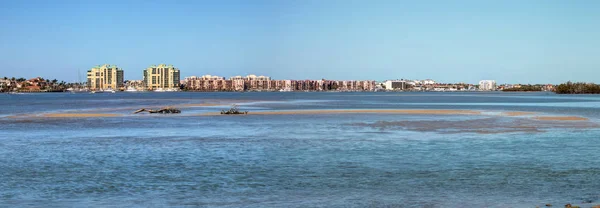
point(299, 160)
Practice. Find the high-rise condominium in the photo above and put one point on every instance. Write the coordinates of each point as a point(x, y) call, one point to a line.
point(105, 77)
point(161, 77)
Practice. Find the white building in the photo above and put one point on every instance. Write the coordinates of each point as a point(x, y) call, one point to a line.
point(4, 84)
point(395, 85)
point(428, 82)
point(487, 85)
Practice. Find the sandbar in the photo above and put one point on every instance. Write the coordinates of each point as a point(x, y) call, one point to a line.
point(517, 113)
point(199, 105)
point(560, 118)
point(78, 115)
point(479, 125)
point(359, 111)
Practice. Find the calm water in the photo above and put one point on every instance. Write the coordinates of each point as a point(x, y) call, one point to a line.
point(318, 160)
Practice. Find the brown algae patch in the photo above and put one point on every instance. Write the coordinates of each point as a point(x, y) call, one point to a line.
point(560, 118)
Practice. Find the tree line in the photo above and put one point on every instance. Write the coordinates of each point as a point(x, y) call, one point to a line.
point(50, 85)
point(577, 88)
point(524, 88)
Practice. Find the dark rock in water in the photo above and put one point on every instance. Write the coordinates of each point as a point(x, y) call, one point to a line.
point(548, 205)
point(162, 111)
point(568, 206)
point(233, 111)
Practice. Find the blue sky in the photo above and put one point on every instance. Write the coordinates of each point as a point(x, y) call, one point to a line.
point(512, 41)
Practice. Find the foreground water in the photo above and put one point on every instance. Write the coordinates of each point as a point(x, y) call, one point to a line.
point(299, 160)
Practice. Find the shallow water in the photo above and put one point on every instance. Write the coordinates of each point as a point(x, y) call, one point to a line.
point(312, 160)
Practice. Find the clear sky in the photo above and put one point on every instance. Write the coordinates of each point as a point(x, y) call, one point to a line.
point(512, 41)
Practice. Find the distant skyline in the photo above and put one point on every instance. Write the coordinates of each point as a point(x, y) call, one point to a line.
point(511, 41)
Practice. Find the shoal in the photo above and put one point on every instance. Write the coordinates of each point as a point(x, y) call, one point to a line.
point(560, 118)
point(78, 115)
point(517, 113)
point(358, 111)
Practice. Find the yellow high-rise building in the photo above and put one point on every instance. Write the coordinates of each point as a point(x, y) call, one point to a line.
point(161, 77)
point(105, 77)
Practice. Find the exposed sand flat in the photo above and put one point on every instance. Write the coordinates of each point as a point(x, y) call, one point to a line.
point(379, 111)
point(560, 118)
point(78, 115)
point(490, 125)
point(517, 113)
point(199, 105)
point(18, 116)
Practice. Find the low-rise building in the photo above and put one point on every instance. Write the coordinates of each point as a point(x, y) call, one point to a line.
point(35, 84)
point(428, 82)
point(5, 84)
point(395, 84)
point(134, 84)
point(548, 87)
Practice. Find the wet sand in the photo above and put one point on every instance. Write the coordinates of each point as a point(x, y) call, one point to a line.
point(520, 126)
point(199, 105)
point(560, 118)
point(517, 113)
point(492, 125)
point(78, 115)
point(365, 111)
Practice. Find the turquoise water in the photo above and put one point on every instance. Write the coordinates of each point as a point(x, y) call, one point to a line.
point(312, 160)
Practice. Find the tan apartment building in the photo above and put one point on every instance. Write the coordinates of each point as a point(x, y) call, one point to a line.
point(251, 82)
point(238, 83)
point(208, 83)
point(161, 77)
point(258, 82)
point(105, 77)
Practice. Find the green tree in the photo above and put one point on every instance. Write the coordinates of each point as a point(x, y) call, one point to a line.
point(577, 88)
